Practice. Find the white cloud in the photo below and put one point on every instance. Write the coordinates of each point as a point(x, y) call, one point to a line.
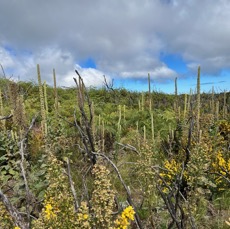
point(164, 73)
point(49, 59)
point(125, 38)
point(160, 73)
point(90, 76)
point(5, 58)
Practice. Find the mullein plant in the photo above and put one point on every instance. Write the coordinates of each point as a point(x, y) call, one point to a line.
point(101, 214)
point(198, 103)
point(147, 176)
point(213, 102)
point(55, 93)
point(17, 107)
point(45, 98)
point(152, 129)
point(42, 103)
point(58, 210)
point(3, 122)
point(224, 106)
point(102, 198)
point(119, 124)
point(189, 101)
point(19, 117)
point(185, 106)
point(83, 216)
point(150, 98)
point(217, 110)
point(176, 97)
point(142, 101)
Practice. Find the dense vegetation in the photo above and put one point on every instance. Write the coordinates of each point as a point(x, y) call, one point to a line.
point(111, 158)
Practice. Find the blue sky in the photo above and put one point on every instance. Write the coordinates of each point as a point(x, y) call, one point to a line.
point(185, 84)
point(123, 40)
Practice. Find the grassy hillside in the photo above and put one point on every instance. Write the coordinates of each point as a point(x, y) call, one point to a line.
point(111, 158)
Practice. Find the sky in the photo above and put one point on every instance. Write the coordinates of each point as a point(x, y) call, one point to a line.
point(119, 39)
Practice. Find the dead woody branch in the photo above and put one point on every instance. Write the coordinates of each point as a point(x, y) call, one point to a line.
point(6, 117)
point(85, 126)
point(76, 204)
point(14, 213)
point(23, 146)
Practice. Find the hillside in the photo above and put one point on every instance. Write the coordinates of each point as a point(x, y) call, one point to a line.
point(110, 158)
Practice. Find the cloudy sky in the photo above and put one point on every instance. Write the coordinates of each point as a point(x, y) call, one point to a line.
point(121, 39)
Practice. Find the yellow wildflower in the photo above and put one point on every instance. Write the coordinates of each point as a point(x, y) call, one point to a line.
point(221, 160)
point(48, 211)
point(85, 216)
point(123, 221)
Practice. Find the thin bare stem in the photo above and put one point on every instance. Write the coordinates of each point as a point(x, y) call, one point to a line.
point(76, 204)
point(14, 213)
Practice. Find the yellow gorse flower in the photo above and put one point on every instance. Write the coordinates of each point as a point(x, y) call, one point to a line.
point(172, 169)
point(221, 160)
point(17, 228)
point(128, 213)
point(221, 165)
point(48, 211)
point(124, 220)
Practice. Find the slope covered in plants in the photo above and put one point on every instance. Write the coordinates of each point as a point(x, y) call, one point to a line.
point(110, 158)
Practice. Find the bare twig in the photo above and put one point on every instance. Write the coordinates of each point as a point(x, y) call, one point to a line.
point(85, 128)
point(14, 213)
point(25, 179)
point(76, 205)
point(6, 117)
point(85, 186)
point(31, 216)
point(23, 170)
point(128, 147)
point(108, 86)
point(168, 204)
point(190, 130)
point(84, 138)
point(3, 71)
point(31, 126)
